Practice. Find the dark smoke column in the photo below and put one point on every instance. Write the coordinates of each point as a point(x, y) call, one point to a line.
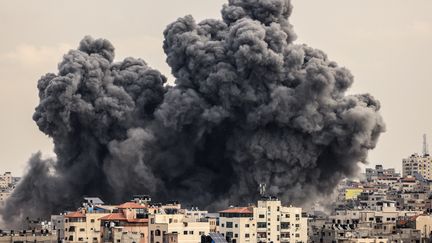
point(248, 106)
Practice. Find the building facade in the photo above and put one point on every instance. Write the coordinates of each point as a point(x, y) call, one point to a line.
point(269, 221)
point(176, 227)
point(417, 164)
point(238, 224)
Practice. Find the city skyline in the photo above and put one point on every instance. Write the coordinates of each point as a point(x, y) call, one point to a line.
point(230, 121)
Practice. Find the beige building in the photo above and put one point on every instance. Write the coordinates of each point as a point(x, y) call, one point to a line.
point(238, 224)
point(176, 227)
point(424, 225)
point(83, 226)
point(6, 180)
point(268, 222)
point(128, 224)
point(420, 164)
point(277, 223)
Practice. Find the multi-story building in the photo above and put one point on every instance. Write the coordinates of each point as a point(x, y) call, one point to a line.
point(84, 224)
point(176, 227)
point(417, 164)
point(6, 180)
point(57, 226)
point(268, 220)
point(128, 223)
point(293, 225)
point(237, 224)
point(380, 172)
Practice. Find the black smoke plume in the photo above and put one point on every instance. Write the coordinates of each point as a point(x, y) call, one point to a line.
point(248, 106)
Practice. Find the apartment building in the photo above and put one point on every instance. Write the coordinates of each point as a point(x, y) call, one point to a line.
point(84, 225)
point(176, 227)
point(268, 220)
point(6, 180)
point(417, 164)
point(128, 223)
point(267, 215)
point(237, 224)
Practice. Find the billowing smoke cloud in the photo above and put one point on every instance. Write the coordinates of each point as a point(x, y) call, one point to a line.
point(248, 106)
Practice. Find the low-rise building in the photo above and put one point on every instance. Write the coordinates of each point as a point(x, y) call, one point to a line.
point(84, 224)
point(127, 224)
point(177, 227)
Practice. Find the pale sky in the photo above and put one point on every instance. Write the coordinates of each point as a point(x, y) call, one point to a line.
point(385, 44)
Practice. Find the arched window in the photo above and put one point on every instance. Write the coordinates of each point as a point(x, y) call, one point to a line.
point(157, 233)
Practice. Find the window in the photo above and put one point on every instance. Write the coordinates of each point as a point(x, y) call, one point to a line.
point(261, 216)
point(92, 220)
point(157, 233)
point(80, 239)
point(261, 225)
point(246, 225)
point(82, 229)
point(246, 235)
point(236, 225)
point(285, 225)
point(191, 232)
point(185, 232)
point(229, 224)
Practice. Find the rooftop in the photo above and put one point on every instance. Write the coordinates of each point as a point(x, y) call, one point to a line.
point(237, 210)
point(93, 200)
point(113, 216)
point(75, 215)
point(132, 205)
point(122, 217)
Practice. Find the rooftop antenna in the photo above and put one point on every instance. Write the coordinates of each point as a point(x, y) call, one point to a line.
point(425, 145)
point(262, 189)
